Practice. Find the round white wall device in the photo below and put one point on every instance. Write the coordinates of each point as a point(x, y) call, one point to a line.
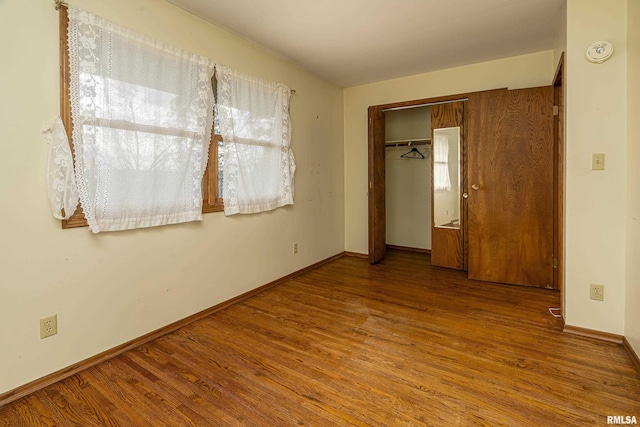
point(599, 52)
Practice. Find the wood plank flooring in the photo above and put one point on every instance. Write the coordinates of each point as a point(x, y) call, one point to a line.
point(396, 344)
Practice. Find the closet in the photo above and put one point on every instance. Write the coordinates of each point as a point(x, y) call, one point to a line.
point(408, 178)
point(493, 207)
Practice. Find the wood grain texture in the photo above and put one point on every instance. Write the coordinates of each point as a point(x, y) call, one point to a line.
point(210, 200)
point(377, 186)
point(632, 354)
point(447, 244)
point(349, 343)
point(464, 188)
point(510, 158)
point(446, 248)
point(447, 115)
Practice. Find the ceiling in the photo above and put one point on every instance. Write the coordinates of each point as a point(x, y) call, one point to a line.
point(352, 42)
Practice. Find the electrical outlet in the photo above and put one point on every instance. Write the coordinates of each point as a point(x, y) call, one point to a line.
point(48, 326)
point(596, 292)
point(295, 248)
point(597, 161)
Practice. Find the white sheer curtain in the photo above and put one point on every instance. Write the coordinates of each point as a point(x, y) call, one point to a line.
point(441, 178)
point(142, 115)
point(61, 180)
point(254, 124)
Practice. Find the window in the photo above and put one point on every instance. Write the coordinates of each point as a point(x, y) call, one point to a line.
point(211, 191)
point(259, 163)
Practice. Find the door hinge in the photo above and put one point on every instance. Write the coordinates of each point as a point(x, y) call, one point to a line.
point(556, 110)
point(555, 263)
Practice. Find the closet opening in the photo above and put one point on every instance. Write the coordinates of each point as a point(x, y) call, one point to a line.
point(408, 178)
point(378, 140)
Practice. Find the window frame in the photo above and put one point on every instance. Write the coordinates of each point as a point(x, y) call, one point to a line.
point(211, 202)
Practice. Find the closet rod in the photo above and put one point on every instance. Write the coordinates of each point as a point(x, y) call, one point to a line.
point(407, 107)
point(406, 144)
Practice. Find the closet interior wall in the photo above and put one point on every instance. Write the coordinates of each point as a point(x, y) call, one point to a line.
point(408, 179)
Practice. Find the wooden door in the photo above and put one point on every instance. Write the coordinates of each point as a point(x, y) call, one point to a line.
point(447, 241)
point(510, 178)
point(376, 191)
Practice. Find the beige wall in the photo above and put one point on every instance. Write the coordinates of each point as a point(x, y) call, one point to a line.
point(596, 200)
point(113, 287)
point(632, 311)
point(517, 72)
point(561, 36)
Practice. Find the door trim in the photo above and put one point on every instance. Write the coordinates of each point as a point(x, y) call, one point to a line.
point(377, 186)
point(377, 167)
point(559, 81)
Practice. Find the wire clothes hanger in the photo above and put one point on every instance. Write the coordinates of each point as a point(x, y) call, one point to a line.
point(413, 154)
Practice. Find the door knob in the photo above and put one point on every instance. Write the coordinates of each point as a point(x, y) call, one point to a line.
point(476, 187)
point(465, 195)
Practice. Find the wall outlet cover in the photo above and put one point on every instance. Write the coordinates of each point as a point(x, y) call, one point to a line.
point(596, 292)
point(48, 326)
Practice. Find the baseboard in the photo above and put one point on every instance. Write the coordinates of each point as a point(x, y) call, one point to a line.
point(407, 249)
point(356, 254)
point(54, 377)
point(391, 247)
point(632, 354)
point(590, 333)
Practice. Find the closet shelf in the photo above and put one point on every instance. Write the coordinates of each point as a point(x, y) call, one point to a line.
point(402, 142)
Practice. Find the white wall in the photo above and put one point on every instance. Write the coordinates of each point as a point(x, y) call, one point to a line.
point(113, 287)
point(596, 205)
point(408, 181)
point(632, 311)
point(518, 72)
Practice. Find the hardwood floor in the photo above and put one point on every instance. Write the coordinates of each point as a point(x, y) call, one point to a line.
point(396, 344)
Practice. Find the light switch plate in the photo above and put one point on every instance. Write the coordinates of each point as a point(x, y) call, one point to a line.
point(597, 161)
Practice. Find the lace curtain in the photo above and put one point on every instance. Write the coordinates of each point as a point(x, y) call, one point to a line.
point(61, 181)
point(142, 115)
point(441, 178)
point(254, 124)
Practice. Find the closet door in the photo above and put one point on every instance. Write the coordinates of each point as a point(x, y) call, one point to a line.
point(510, 204)
point(377, 190)
point(447, 249)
